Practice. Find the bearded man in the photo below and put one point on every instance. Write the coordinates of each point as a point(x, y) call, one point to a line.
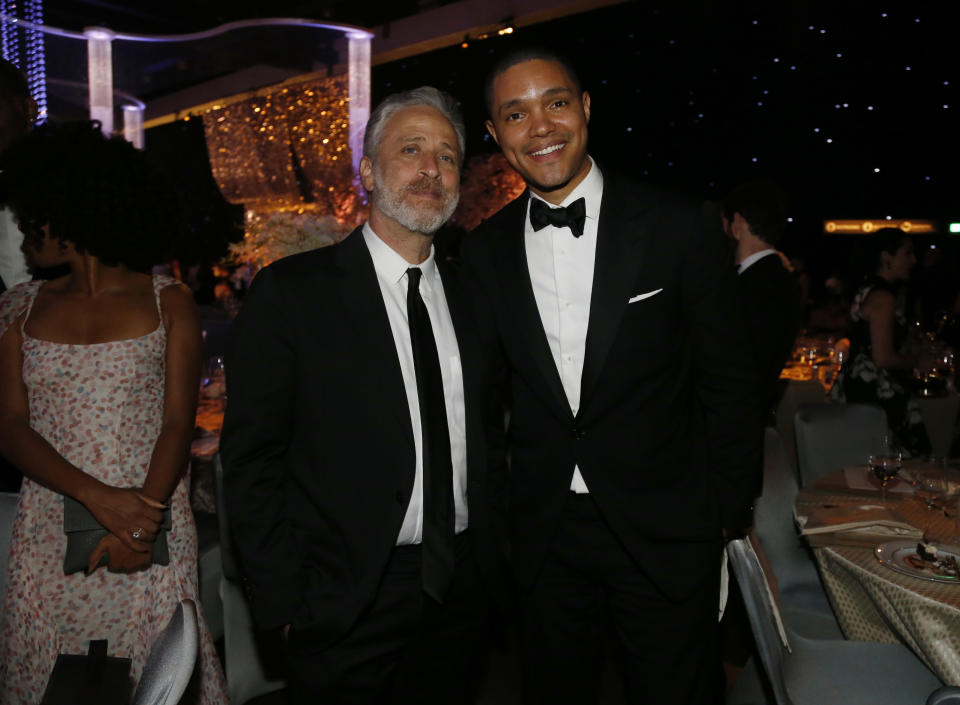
point(355, 465)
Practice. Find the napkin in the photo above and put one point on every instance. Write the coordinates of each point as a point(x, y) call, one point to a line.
point(871, 519)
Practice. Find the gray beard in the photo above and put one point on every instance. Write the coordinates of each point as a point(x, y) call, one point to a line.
point(392, 205)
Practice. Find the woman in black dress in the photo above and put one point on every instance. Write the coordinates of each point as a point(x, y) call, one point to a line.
point(879, 367)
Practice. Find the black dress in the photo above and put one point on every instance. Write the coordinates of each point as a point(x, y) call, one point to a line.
point(862, 381)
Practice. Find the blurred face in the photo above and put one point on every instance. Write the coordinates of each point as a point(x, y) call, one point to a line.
point(49, 252)
point(897, 266)
point(539, 119)
point(415, 179)
point(17, 116)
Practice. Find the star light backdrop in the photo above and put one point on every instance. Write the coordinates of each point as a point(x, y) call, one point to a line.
point(850, 107)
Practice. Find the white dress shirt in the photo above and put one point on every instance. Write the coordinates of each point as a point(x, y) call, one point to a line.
point(391, 271)
point(13, 266)
point(753, 259)
point(561, 271)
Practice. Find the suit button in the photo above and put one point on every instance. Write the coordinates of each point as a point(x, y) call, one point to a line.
point(401, 498)
point(577, 433)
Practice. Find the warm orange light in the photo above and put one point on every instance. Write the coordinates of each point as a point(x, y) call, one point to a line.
point(865, 227)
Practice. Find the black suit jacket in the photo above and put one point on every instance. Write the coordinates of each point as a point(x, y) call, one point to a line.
point(317, 443)
point(770, 299)
point(665, 437)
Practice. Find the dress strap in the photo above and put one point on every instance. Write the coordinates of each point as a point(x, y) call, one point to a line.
point(15, 303)
point(161, 282)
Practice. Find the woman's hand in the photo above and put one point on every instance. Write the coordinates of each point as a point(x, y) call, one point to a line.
point(121, 558)
point(130, 516)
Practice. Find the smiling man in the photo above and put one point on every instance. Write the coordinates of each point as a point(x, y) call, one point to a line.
point(353, 446)
point(632, 411)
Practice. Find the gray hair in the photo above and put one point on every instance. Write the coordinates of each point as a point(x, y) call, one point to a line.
point(444, 103)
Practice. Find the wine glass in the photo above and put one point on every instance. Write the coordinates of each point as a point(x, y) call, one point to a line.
point(885, 461)
point(213, 384)
point(927, 480)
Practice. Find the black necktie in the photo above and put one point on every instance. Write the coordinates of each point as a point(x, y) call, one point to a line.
point(438, 509)
point(573, 216)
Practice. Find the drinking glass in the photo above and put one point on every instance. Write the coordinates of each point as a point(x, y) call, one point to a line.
point(885, 461)
point(929, 480)
point(213, 384)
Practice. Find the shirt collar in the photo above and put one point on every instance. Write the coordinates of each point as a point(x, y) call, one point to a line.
point(754, 258)
point(590, 189)
point(390, 265)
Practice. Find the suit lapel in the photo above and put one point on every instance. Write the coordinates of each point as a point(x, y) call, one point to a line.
point(617, 263)
point(363, 303)
point(510, 253)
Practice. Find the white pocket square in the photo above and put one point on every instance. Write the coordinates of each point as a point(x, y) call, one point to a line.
point(641, 297)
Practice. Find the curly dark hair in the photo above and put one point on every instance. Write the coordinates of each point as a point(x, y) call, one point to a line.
point(101, 194)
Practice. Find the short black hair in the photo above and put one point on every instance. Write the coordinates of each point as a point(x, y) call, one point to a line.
point(521, 55)
point(13, 84)
point(99, 193)
point(763, 205)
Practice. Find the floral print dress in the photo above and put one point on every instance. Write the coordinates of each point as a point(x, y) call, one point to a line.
point(862, 381)
point(100, 406)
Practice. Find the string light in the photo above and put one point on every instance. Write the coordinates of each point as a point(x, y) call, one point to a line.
point(30, 57)
point(9, 39)
point(36, 69)
point(286, 150)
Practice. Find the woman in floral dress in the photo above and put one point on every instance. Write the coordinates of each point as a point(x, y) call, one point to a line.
point(878, 368)
point(98, 380)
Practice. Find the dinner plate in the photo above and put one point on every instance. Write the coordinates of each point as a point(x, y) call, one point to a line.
point(901, 556)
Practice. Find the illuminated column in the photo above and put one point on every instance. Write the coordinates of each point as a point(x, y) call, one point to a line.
point(36, 68)
point(133, 125)
point(100, 76)
point(9, 38)
point(359, 73)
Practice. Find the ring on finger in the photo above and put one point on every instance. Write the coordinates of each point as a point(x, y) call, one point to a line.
point(137, 534)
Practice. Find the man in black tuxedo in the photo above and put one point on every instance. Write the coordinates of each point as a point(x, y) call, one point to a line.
point(754, 217)
point(630, 400)
point(353, 444)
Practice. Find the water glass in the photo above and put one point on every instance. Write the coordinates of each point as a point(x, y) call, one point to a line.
point(885, 461)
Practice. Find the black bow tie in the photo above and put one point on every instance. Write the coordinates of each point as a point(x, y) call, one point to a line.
point(573, 216)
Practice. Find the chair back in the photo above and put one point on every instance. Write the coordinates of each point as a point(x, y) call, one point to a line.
point(797, 393)
point(228, 555)
point(763, 614)
point(833, 436)
point(773, 517)
point(172, 658)
point(939, 416)
point(8, 511)
point(250, 656)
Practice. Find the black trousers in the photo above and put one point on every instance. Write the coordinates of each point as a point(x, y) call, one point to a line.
point(406, 648)
point(590, 592)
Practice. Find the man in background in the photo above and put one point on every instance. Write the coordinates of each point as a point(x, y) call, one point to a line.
point(755, 217)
